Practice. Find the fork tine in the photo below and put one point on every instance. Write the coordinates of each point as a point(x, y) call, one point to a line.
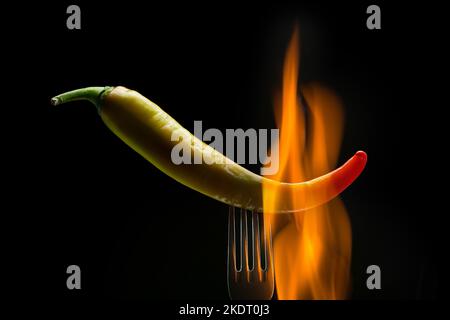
point(256, 246)
point(268, 248)
point(244, 242)
point(231, 244)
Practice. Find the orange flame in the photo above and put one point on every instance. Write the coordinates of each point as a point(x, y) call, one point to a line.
point(312, 249)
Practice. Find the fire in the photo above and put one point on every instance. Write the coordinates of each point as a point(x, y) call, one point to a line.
point(312, 249)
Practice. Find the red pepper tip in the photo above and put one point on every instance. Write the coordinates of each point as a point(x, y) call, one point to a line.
point(361, 155)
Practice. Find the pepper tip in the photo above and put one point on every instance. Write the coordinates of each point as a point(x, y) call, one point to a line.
point(361, 155)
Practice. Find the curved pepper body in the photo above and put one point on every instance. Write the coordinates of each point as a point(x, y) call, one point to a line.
point(148, 130)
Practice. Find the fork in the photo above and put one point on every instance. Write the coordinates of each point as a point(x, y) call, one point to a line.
point(244, 283)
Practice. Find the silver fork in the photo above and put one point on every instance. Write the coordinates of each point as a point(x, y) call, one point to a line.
point(244, 283)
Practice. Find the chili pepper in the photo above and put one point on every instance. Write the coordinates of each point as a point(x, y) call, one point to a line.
point(147, 129)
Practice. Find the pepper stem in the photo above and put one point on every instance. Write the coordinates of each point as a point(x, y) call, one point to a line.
point(92, 94)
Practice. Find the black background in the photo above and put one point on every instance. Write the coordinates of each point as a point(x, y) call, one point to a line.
point(83, 197)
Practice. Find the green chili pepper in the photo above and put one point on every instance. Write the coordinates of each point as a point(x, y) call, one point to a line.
point(148, 130)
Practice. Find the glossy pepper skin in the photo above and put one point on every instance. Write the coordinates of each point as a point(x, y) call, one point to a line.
point(148, 130)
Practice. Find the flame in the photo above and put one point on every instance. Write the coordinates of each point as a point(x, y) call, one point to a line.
point(312, 249)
